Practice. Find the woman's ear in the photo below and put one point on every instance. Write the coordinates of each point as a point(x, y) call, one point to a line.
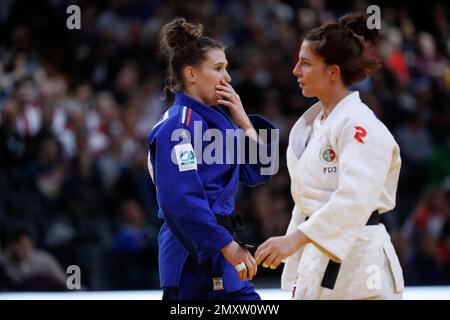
point(189, 74)
point(335, 72)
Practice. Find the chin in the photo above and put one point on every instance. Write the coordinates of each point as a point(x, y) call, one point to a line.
point(305, 93)
point(308, 94)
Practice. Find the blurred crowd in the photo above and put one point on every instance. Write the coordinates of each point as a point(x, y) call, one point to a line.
point(76, 106)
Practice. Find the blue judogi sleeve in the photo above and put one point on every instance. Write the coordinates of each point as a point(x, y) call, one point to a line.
point(182, 198)
point(250, 173)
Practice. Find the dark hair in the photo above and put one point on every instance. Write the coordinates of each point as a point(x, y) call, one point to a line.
point(18, 231)
point(184, 44)
point(347, 43)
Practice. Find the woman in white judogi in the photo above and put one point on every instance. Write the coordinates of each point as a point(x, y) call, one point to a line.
point(344, 166)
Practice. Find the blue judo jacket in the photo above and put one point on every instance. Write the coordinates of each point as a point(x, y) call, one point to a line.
point(190, 193)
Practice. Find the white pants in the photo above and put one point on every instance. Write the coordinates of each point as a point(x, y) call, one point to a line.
point(388, 289)
point(370, 271)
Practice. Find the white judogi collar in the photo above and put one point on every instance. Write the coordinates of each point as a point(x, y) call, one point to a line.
point(305, 124)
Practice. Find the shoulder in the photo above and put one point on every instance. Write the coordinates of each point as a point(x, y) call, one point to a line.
point(356, 121)
point(177, 117)
point(43, 257)
point(365, 116)
point(360, 123)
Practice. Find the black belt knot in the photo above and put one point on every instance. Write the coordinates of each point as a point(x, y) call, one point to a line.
point(235, 224)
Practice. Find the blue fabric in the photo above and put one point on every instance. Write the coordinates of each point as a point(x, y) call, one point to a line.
point(189, 200)
point(193, 286)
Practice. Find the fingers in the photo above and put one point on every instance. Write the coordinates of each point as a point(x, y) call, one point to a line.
point(227, 88)
point(267, 263)
point(224, 94)
point(250, 269)
point(243, 274)
point(260, 247)
point(251, 266)
point(226, 84)
point(275, 263)
point(228, 96)
point(255, 266)
point(262, 258)
point(261, 253)
point(268, 255)
point(226, 103)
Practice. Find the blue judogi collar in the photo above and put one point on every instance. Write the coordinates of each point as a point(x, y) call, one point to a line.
point(211, 114)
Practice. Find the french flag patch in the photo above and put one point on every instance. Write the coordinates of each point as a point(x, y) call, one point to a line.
point(186, 116)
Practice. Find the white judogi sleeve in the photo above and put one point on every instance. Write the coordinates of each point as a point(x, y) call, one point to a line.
point(363, 169)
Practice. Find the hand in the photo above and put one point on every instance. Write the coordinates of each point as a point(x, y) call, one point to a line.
point(235, 254)
point(276, 249)
point(230, 99)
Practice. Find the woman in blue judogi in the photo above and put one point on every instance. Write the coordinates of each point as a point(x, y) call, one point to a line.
point(198, 256)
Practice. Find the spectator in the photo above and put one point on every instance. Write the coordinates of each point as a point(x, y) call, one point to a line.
point(30, 268)
point(75, 109)
point(135, 249)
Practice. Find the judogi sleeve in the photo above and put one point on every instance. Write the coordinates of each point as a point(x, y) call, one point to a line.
point(261, 158)
point(182, 198)
point(364, 159)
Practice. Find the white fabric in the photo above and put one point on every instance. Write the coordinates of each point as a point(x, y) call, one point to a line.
point(349, 168)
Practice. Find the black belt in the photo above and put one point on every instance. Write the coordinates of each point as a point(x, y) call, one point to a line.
point(234, 224)
point(332, 270)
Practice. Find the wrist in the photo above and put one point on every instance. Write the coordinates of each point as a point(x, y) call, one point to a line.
point(246, 125)
point(298, 239)
point(227, 247)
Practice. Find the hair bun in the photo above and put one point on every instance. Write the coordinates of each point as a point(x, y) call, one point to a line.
point(178, 32)
point(357, 22)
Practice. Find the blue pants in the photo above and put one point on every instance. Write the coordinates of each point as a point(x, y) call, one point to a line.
point(195, 293)
point(194, 286)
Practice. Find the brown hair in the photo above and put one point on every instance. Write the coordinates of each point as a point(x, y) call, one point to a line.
point(185, 45)
point(347, 44)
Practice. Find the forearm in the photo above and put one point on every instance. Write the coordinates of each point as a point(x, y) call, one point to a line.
point(299, 239)
point(251, 133)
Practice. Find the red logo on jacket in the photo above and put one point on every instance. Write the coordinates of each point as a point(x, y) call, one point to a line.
point(360, 134)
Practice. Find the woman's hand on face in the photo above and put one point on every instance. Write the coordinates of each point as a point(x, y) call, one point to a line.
point(235, 254)
point(230, 99)
point(274, 250)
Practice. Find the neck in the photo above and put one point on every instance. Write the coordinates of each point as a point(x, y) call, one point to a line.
point(193, 94)
point(331, 98)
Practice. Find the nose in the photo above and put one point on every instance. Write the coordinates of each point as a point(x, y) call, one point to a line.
point(227, 77)
point(297, 70)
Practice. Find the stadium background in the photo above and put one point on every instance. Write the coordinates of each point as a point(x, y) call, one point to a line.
point(76, 106)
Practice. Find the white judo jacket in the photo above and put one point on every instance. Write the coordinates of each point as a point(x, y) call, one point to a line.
point(341, 171)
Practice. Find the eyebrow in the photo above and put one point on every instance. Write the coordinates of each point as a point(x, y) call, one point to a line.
point(304, 58)
point(220, 63)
